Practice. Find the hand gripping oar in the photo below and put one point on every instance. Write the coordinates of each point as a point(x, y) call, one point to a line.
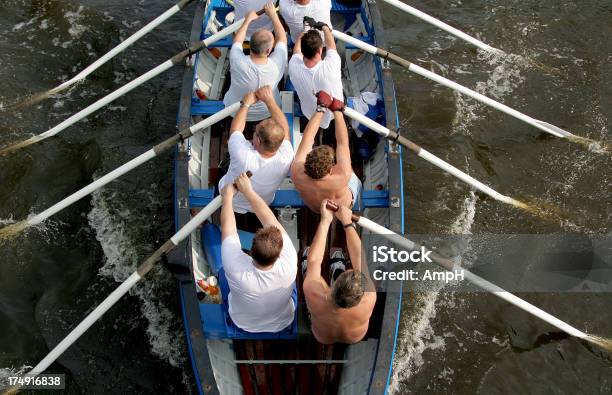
point(122, 289)
point(13, 229)
point(438, 23)
point(173, 61)
point(449, 265)
point(431, 158)
point(546, 127)
point(108, 56)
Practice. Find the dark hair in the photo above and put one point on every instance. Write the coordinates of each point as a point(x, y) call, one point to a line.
point(349, 288)
point(260, 42)
point(319, 161)
point(271, 134)
point(267, 245)
point(311, 42)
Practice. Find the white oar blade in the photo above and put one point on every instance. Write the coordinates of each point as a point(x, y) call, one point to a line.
point(438, 23)
point(554, 128)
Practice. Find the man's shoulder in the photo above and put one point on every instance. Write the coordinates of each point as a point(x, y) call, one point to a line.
point(297, 62)
point(368, 301)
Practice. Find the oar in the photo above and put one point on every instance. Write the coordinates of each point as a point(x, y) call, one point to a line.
point(438, 23)
point(431, 158)
point(546, 127)
point(108, 56)
point(122, 289)
point(449, 265)
point(173, 61)
point(14, 229)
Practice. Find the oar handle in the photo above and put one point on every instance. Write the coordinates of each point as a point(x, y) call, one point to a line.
point(248, 173)
point(333, 206)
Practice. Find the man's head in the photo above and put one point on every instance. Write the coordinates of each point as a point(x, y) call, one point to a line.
point(268, 136)
point(262, 42)
point(311, 44)
point(348, 289)
point(267, 246)
point(319, 162)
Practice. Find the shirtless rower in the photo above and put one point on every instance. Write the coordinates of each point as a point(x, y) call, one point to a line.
point(321, 173)
point(340, 313)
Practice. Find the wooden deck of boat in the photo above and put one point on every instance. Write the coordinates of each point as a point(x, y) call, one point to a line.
point(287, 376)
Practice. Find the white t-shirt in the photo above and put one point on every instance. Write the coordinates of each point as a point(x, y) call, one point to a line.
point(294, 13)
point(324, 76)
point(242, 7)
point(248, 77)
point(260, 300)
point(268, 173)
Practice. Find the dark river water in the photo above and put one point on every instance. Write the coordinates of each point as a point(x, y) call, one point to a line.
point(556, 68)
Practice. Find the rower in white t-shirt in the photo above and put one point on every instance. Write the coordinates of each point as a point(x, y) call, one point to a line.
point(294, 11)
point(242, 8)
point(261, 285)
point(268, 157)
point(262, 67)
point(310, 73)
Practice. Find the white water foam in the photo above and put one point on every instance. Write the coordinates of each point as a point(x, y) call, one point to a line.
point(121, 259)
point(501, 81)
point(463, 223)
point(5, 373)
point(417, 334)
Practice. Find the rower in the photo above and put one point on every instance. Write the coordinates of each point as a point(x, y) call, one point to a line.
point(261, 285)
point(268, 157)
point(321, 173)
point(262, 67)
point(311, 73)
point(339, 312)
point(294, 11)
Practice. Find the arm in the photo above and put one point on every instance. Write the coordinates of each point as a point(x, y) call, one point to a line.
point(308, 137)
point(317, 248)
point(343, 151)
point(279, 30)
point(265, 95)
point(353, 242)
point(228, 220)
point(240, 35)
point(239, 121)
point(297, 46)
point(330, 43)
point(259, 207)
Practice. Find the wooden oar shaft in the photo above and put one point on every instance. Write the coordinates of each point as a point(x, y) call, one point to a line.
point(555, 131)
point(122, 289)
point(132, 164)
point(123, 45)
point(431, 158)
point(438, 23)
point(448, 264)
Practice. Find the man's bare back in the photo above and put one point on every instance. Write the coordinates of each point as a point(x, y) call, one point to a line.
point(332, 184)
point(332, 324)
point(313, 192)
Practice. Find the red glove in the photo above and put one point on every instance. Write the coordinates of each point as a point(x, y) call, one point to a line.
point(337, 105)
point(324, 99)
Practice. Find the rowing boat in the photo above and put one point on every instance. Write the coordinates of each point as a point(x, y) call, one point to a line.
point(226, 359)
